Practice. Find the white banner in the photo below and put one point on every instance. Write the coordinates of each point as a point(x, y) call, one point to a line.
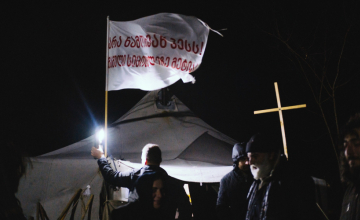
point(156, 51)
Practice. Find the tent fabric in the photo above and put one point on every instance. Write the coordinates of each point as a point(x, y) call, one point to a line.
point(53, 182)
point(191, 150)
point(207, 148)
point(173, 131)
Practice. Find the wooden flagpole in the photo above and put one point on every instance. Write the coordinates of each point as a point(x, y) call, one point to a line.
point(279, 109)
point(106, 87)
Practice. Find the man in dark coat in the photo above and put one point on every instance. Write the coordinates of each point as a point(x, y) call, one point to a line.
point(278, 192)
point(151, 159)
point(350, 169)
point(234, 187)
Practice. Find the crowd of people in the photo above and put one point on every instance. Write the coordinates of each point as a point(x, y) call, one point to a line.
point(263, 184)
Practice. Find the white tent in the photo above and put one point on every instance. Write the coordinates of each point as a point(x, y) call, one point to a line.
point(192, 151)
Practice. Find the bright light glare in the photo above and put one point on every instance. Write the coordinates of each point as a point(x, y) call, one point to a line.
point(100, 135)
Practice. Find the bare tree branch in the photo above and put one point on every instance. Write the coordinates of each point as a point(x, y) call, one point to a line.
point(333, 88)
point(301, 58)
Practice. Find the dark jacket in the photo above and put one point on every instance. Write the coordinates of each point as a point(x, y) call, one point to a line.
point(288, 195)
point(176, 192)
point(231, 202)
point(137, 211)
point(143, 208)
point(125, 179)
point(351, 202)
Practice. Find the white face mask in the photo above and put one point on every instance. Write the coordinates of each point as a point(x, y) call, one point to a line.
point(261, 170)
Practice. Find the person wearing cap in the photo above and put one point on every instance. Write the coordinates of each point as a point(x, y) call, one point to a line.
point(279, 191)
point(234, 186)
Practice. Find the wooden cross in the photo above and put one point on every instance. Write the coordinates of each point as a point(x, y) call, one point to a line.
point(279, 109)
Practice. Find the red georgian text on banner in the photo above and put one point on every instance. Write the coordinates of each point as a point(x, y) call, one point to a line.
point(153, 52)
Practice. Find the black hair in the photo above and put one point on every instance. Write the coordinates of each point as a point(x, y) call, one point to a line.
point(152, 153)
point(144, 187)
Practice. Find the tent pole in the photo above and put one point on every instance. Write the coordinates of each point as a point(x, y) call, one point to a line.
point(106, 86)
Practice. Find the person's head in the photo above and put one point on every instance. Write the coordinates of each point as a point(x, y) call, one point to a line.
point(157, 192)
point(263, 155)
point(151, 155)
point(350, 154)
point(239, 156)
point(151, 189)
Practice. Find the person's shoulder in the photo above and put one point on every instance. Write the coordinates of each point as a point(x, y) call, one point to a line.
point(228, 176)
point(161, 170)
point(153, 168)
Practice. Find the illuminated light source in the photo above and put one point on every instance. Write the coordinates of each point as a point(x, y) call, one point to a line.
point(100, 135)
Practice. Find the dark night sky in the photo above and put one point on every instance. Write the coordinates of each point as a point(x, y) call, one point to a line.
point(53, 71)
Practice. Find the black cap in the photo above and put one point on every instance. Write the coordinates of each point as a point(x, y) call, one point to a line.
point(261, 142)
point(239, 151)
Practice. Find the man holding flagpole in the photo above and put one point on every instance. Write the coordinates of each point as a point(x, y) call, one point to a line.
point(150, 53)
point(150, 159)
